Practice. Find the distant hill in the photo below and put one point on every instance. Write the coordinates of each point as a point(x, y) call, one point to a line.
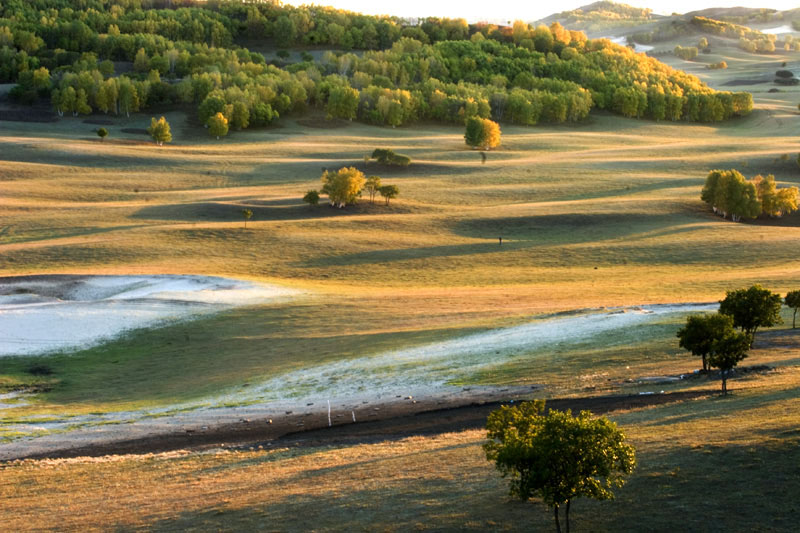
point(736, 14)
point(600, 15)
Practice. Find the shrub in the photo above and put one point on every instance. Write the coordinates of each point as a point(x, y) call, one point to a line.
point(388, 157)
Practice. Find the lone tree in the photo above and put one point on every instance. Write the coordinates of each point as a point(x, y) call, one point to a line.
point(159, 131)
point(388, 192)
point(102, 133)
point(752, 308)
point(726, 354)
point(482, 133)
point(702, 331)
point(343, 186)
point(557, 456)
point(793, 300)
point(218, 125)
point(311, 198)
point(247, 215)
point(372, 186)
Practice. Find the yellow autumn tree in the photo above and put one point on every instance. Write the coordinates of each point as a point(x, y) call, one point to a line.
point(343, 186)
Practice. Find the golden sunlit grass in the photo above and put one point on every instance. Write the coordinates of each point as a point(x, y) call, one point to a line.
point(739, 452)
point(603, 214)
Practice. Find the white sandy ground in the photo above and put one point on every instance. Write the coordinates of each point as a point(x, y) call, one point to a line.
point(779, 30)
point(354, 387)
point(637, 47)
point(53, 313)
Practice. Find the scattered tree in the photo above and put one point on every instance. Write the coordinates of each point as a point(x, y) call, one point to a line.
point(482, 133)
point(344, 186)
point(793, 300)
point(702, 331)
point(372, 186)
point(311, 198)
point(388, 192)
point(159, 131)
point(102, 133)
point(726, 354)
point(218, 126)
point(752, 308)
point(385, 156)
point(557, 456)
point(247, 215)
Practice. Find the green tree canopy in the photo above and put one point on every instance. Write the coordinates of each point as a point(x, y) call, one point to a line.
point(482, 133)
point(752, 308)
point(372, 186)
point(728, 192)
point(557, 456)
point(311, 197)
point(793, 300)
point(388, 192)
point(726, 354)
point(102, 133)
point(159, 131)
point(702, 331)
point(775, 202)
point(343, 186)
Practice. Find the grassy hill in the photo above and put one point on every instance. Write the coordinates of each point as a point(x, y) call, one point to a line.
point(600, 213)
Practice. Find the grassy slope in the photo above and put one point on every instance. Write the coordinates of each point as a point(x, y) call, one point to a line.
point(613, 194)
point(590, 217)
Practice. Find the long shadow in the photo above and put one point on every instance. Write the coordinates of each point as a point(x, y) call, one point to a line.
point(521, 233)
point(261, 209)
point(716, 488)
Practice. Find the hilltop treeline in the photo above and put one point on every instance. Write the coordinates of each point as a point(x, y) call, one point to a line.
point(440, 69)
point(603, 14)
point(750, 40)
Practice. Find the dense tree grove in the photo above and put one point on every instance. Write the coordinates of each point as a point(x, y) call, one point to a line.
point(432, 69)
point(730, 193)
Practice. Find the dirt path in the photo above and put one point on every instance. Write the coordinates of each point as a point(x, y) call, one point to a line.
point(392, 421)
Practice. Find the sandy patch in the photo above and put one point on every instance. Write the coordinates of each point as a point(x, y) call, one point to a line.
point(42, 314)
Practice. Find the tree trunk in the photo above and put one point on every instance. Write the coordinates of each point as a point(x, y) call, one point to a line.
point(566, 515)
point(705, 364)
point(558, 524)
point(794, 317)
point(725, 382)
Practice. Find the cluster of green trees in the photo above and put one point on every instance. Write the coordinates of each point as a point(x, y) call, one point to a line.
point(728, 192)
point(713, 337)
point(347, 184)
point(449, 72)
point(686, 53)
point(749, 39)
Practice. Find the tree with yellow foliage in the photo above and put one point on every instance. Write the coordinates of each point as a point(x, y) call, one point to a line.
point(482, 133)
point(343, 186)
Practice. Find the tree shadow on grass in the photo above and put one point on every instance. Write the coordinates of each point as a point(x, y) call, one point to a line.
point(283, 209)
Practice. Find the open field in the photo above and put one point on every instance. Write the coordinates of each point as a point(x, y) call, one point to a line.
point(739, 452)
point(596, 216)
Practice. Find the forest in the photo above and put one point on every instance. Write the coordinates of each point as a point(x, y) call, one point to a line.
point(124, 56)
